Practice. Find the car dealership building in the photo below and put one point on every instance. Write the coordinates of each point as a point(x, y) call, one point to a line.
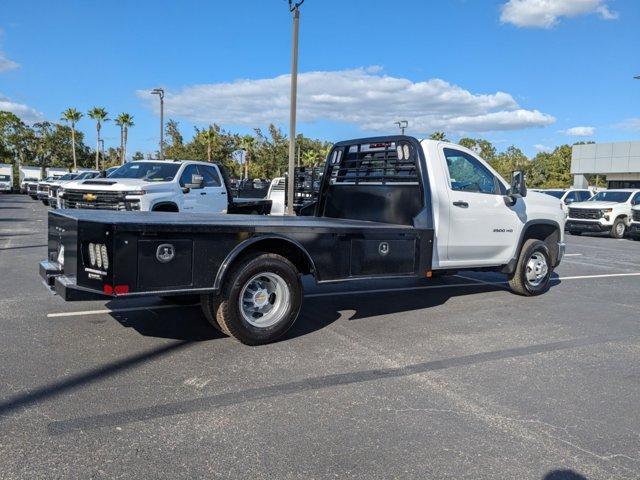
point(618, 161)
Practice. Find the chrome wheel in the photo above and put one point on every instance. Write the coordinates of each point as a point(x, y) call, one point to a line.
point(620, 229)
point(264, 299)
point(537, 269)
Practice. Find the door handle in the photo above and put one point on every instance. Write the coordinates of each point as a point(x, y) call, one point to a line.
point(203, 193)
point(461, 204)
point(223, 193)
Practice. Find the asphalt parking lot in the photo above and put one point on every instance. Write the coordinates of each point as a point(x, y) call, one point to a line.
point(411, 380)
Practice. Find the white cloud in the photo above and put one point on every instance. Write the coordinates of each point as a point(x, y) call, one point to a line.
point(364, 97)
point(629, 124)
point(26, 113)
point(580, 131)
point(547, 13)
point(6, 64)
point(542, 148)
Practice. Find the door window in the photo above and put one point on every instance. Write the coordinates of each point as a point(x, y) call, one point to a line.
point(584, 195)
point(186, 176)
point(571, 197)
point(467, 174)
point(211, 177)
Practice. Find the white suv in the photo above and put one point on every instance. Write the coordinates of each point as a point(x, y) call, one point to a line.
point(607, 211)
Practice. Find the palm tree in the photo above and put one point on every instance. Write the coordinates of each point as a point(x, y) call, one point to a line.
point(72, 116)
point(100, 115)
point(209, 136)
point(248, 144)
point(124, 121)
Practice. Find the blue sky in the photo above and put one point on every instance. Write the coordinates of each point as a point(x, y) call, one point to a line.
point(533, 73)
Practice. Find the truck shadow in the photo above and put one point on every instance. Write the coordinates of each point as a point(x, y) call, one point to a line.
point(187, 323)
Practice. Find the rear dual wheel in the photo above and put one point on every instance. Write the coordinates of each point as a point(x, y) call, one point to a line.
point(259, 300)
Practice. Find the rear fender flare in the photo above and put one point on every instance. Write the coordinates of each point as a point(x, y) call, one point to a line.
point(240, 248)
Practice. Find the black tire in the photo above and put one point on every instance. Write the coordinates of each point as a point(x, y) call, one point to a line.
point(181, 299)
point(618, 231)
point(45, 202)
point(225, 309)
point(518, 280)
point(575, 232)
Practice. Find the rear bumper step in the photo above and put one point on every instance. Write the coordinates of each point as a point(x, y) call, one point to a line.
point(65, 286)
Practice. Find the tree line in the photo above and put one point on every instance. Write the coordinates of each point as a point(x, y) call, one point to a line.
point(265, 152)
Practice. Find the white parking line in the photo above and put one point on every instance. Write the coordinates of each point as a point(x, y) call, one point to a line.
point(109, 310)
point(572, 254)
point(475, 283)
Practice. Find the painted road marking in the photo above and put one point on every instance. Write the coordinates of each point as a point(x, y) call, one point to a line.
point(110, 310)
point(572, 254)
point(350, 292)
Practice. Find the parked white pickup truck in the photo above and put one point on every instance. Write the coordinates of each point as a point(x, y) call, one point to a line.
point(159, 186)
point(387, 207)
point(634, 226)
point(607, 211)
point(60, 182)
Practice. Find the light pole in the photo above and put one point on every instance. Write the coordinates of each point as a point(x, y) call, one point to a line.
point(160, 93)
point(402, 124)
point(295, 9)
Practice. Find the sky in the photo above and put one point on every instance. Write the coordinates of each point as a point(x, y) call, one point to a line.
point(532, 73)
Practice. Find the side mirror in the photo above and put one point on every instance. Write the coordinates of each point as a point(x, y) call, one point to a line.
point(569, 200)
point(518, 188)
point(196, 181)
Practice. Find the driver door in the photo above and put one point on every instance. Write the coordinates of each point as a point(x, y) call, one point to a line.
point(482, 228)
point(190, 198)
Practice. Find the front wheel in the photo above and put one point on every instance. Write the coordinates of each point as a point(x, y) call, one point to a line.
point(618, 229)
point(260, 299)
point(533, 271)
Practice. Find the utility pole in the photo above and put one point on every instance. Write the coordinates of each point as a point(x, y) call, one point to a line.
point(402, 124)
point(160, 93)
point(295, 9)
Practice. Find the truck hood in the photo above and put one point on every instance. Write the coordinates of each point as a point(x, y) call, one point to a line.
point(593, 204)
point(117, 185)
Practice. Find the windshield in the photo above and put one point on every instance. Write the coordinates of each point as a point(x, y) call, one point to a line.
point(610, 196)
point(30, 179)
point(84, 175)
point(4, 178)
point(554, 193)
point(150, 171)
point(68, 176)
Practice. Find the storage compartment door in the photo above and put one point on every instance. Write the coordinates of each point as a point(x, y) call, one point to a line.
point(165, 264)
point(381, 257)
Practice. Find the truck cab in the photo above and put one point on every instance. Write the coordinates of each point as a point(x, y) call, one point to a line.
point(158, 186)
point(388, 207)
point(607, 211)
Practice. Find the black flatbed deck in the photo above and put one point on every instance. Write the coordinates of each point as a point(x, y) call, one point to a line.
point(137, 221)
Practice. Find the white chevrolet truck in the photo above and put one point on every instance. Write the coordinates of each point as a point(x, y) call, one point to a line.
point(607, 211)
point(387, 207)
point(634, 226)
point(159, 186)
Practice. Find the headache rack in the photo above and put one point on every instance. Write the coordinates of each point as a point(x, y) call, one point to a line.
point(384, 162)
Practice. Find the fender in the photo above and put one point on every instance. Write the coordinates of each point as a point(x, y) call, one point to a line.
point(511, 266)
point(238, 249)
